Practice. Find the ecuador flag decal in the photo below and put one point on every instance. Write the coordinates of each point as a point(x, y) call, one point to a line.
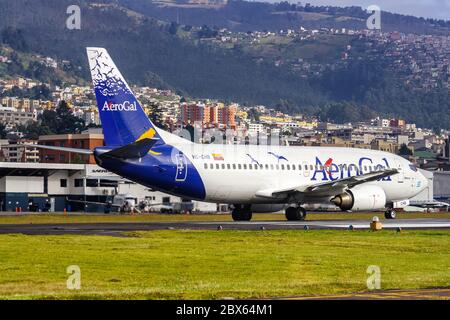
point(218, 157)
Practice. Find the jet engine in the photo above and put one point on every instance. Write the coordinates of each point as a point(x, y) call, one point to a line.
point(361, 198)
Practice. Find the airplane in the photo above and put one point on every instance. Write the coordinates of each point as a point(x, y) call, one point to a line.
point(428, 206)
point(251, 178)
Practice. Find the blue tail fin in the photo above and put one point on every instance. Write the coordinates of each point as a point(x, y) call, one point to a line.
point(123, 119)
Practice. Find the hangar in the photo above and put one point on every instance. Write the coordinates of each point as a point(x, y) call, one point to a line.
point(71, 187)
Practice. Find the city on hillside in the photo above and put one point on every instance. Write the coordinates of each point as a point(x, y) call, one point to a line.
point(423, 61)
point(24, 120)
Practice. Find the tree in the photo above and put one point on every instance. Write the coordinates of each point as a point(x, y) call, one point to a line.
point(49, 118)
point(15, 67)
point(191, 131)
point(173, 28)
point(78, 159)
point(93, 125)
point(286, 106)
point(14, 92)
point(34, 129)
point(347, 112)
point(61, 120)
point(153, 80)
point(206, 32)
point(254, 115)
point(37, 70)
point(41, 92)
point(156, 116)
point(67, 122)
point(2, 131)
point(14, 38)
point(404, 150)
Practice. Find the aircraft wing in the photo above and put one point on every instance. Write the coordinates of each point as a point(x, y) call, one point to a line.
point(330, 188)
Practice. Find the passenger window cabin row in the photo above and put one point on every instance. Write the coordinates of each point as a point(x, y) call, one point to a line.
point(300, 167)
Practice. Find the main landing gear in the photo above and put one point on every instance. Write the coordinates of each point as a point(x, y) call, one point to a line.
point(390, 214)
point(295, 214)
point(241, 213)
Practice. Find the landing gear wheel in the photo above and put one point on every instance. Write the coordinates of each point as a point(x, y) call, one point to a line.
point(295, 214)
point(241, 214)
point(390, 214)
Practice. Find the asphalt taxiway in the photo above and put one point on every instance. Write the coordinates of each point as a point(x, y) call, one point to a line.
point(409, 294)
point(118, 228)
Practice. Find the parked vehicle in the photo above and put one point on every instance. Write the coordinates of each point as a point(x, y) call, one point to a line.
point(125, 202)
point(177, 208)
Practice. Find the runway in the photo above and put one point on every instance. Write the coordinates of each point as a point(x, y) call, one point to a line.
point(117, 229)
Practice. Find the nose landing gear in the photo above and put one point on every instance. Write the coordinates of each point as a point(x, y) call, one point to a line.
point(390, 214)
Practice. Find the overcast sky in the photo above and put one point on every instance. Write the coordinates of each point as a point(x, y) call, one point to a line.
point(438, 9)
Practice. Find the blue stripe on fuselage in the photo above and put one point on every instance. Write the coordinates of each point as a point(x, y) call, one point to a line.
point(169, 171)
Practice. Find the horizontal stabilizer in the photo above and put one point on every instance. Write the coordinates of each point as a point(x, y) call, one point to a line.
point(133, 150)
point(43, 146)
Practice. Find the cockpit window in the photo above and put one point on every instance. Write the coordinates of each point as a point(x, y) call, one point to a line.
point(413, 167)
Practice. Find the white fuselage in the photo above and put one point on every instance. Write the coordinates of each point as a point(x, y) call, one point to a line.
point(235, 173)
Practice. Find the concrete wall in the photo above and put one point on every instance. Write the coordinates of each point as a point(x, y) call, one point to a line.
point(11, 201)
point(428, 193)
point(13, 184)
point(54, 184)
point(97, 191)
point(441, 185)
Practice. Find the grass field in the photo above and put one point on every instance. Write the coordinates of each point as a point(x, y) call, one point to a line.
point(218, 264)
point(80, 218)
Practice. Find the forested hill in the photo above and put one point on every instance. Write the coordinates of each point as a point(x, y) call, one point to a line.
point(149, 52)
point(243, 16)
point(144, 50)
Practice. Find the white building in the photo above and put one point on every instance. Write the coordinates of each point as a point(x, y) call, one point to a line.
point(19, 152)
point(91, 117)
point(254, 128)
point(11, 115)
point(383, 123)
point(73, 187)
